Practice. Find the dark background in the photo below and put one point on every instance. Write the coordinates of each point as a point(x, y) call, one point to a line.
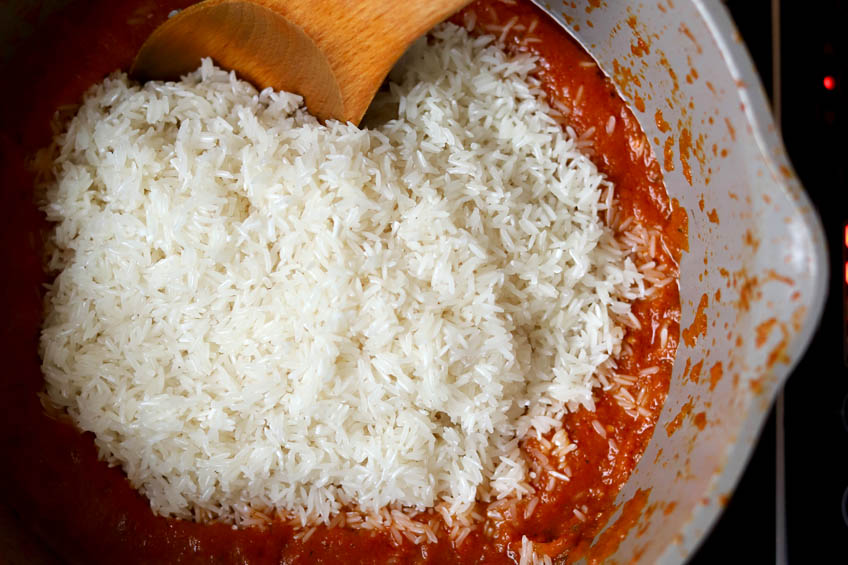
point(812, 37)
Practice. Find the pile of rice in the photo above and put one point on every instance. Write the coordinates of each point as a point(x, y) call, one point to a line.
point(256, 311)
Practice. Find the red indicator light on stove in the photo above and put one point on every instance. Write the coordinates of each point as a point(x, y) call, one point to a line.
point(846, 235)
point(829, 82)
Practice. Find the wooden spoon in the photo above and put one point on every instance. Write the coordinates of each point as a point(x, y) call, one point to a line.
point(335, 53)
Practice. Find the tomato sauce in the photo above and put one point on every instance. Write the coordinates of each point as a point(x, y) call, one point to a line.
point(87, 512)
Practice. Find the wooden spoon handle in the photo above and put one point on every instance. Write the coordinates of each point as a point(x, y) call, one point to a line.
point(336, 52)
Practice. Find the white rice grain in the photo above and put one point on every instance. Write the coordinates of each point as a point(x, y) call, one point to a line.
point(254, 310)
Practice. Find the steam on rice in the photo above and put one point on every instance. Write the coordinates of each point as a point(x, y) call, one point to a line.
point(256, 311)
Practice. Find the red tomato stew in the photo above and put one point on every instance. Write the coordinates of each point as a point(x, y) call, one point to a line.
point(88, 512)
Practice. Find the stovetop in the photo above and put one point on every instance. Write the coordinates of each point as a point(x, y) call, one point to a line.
point(792, 502)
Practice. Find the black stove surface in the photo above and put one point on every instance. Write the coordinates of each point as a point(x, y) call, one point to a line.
point(805, 441)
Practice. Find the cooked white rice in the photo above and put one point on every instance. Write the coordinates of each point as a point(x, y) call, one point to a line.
point(257, 311)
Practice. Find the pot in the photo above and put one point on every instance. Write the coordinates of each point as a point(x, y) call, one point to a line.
point(753, 281)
